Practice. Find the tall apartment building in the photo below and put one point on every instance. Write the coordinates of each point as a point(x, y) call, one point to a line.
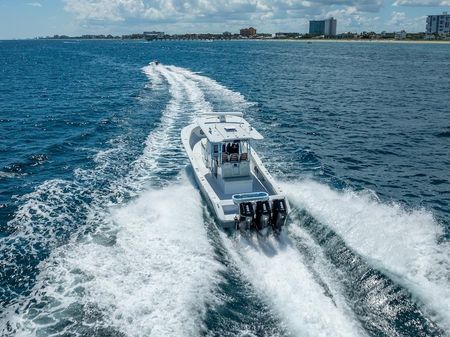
point(438, 24)
point(323, 27)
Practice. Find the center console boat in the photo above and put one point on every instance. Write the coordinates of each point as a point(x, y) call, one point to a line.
point(233, 180)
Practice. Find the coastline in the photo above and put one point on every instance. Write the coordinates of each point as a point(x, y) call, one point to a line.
point(371, 41)
point(254, 40)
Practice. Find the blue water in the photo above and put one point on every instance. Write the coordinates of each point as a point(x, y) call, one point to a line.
point(102, 232)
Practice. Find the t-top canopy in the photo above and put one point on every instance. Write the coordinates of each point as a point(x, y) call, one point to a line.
point(223, 127)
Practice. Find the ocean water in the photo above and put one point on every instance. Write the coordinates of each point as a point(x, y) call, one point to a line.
point(103, 233)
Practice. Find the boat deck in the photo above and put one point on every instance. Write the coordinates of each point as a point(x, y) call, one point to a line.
point(258, 186)
point(226, 200)
point(259, 179)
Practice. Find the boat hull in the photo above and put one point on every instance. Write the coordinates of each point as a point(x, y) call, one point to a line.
point(223, 223)
point(223, 205)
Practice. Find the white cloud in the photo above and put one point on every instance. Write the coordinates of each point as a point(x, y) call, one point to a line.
point(35, 4)
point(418, 3)
point(189, 10)
point(176, 16)
point(400, 21)
point(354, 18)
point(397, 17)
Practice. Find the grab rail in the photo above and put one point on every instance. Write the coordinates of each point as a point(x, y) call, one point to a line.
point(224, 113)
point(252, 196)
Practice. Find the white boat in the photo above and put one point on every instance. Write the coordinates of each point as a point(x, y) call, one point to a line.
point(233, 180)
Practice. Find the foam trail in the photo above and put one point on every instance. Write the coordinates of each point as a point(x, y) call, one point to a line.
point(45, 219)
point(322, 269)
point(228, 98)
point(151, 276)
point(189, 84)
point(163, 149)
point(194, 93)
point(54, 211)
point(161, 156)
point(277, 272)
point(163, 138)
point(403, 244)
point(153, 75)
point(380, 304)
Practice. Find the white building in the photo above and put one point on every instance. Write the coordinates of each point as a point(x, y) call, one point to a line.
point(153, 35)
point(400, 35)
point(438, 24)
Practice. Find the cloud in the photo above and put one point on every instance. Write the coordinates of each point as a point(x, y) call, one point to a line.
point(354, 19)
point(177, 16)
point(400, 21)
point(422, 3)
point(397, 18)
point(35, 4)
point(203, 10)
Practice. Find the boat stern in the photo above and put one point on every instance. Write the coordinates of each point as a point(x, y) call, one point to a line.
point(258, 211)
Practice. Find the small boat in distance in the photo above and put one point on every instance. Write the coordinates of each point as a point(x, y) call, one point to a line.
point(233, 180)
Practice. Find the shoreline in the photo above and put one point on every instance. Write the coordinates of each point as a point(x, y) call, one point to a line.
point(375, 41)
point(255, 40)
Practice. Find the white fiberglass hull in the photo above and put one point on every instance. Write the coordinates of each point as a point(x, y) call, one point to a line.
point(220, 202)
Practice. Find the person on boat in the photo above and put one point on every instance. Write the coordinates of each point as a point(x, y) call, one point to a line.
point(235, 148)
point(229, 148)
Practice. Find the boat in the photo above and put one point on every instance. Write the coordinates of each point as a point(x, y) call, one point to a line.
point(231, 176)
point(156, 62)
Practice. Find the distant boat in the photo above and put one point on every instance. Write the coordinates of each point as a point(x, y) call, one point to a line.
point(238, 188)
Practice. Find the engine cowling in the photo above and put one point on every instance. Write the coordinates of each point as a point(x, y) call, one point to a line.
point(262, 214)
point(279, 214)
point(246, 216)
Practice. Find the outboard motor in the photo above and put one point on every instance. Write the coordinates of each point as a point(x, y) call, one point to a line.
point(262, 219)
point(279, 214)
point(246, 215)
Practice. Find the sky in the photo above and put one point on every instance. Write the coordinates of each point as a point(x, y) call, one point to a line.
point(33, 18)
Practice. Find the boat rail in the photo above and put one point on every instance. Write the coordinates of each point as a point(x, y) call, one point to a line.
point(247, 197)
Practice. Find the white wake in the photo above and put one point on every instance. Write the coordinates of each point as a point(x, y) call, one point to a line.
point(403, 244)
point(280, 276)
point(147, 266)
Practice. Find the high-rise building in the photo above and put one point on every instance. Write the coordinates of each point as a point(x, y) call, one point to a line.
point(248, 32)
point(438, 24)
point(323, 27)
